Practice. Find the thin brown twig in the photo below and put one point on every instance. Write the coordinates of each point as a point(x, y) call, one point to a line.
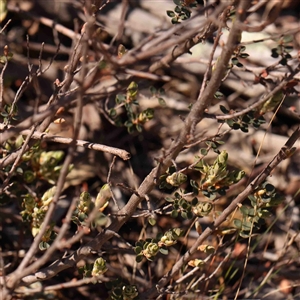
point(77, 237)
point(131, 58)
point(267, 96)
point(16, 162)
point(208, 30)
point(85, 144)
point(121, 27)
point(104, 4)
point(4, 27)
point(271, 12)
point(211, 57)
point(280, 156)
point(66, 285)
point(21, 271)
point(149, 182)
point(43, 20)
point(1, 83)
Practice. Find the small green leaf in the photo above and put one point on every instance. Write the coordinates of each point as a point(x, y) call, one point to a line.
point(218, 95)
point(174, 213)
point(161, 101)
point(230, 122)
point(186, 11)
point(237, 223)
point(161, 91)
point(244, 235)
point(121, 50)
point(246, 119)
point(283, 61)
point(120, 98)
point(236, 126)
point(223, 109)
point(194, 202)
point(169, 199)
point(246, 226)
point(164, 251)
point(234, 61)
point(29, 176)
point(139, 128)
point(274, 53)
point(152, 221)
point(244, 210)
point(288, 56)
point(194, 184)
point(153, 90)
point(139, 258)
point(184, 215)
point(251, 212)
point(184, 17)
point(138, 249)
point(288, 48)
point(244, 55)
point(269, 188)
point(43, 246)
point(203, 151)
point(288, 38)
point(214, 145)
point(174, 20)
point(244, 128)
point(170, 13)
point(189, 215)
point(184, 205)
point(139, 243)
point(128, 124)
point(112, 113)
point(177, 9)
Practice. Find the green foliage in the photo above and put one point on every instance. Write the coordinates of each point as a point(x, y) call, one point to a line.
point(182, 10)
point(243, 122)
point(237, 55)
point(283, 49)
point(254, 217)
point(9, 113)
point(45, 164)
point(103, 197)
point(36, 163)
point(149, 248)
point(171, 179)
point(135, 119)
point(182, 206)
point(93, 270)
point(216, 179)
point(86, 270)
point(83, 208)
point(202, 209)
point(194, 193)
point(158, 93)
point(121, 291)
point(7, 55)
point(99, 267)
point(35, 211)
point(271, 103)
point(121, 50)
point(85, 205)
